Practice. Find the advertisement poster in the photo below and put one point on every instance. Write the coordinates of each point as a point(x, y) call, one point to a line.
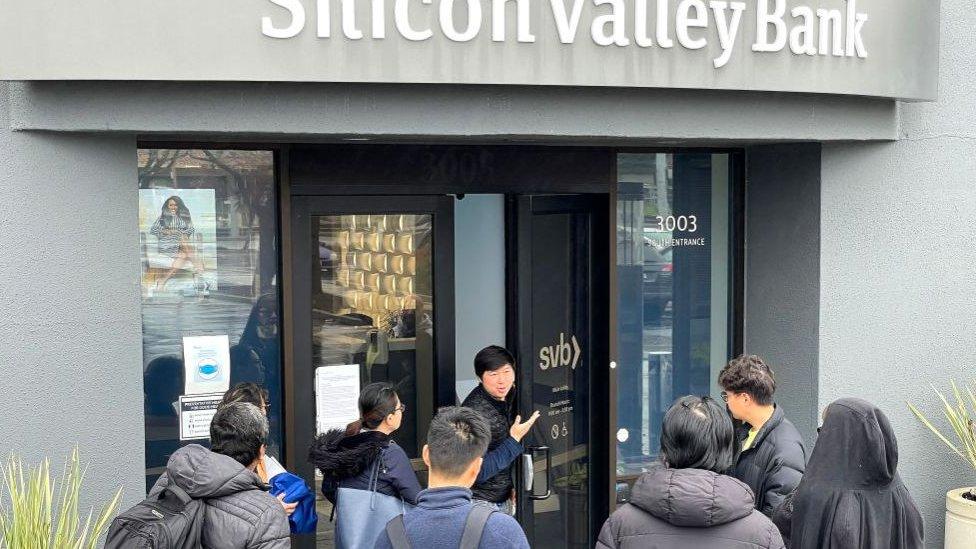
point(336, 396)
point(206, 360)
point(196, 413)
point(178, 230)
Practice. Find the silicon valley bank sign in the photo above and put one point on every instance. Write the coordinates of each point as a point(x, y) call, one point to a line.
point(877, 48)
point(690, 24)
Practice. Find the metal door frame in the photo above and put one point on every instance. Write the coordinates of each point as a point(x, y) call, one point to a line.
point(301, 401)
point(519, 209)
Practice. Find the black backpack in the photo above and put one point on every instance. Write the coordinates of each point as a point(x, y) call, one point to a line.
point(168, 520)
point(474, 527)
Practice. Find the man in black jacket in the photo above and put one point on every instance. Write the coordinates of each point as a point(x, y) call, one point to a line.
point(772, 456)
point(494, 400)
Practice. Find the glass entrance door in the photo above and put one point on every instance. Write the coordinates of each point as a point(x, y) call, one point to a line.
point(562, 333)
point(373, 301)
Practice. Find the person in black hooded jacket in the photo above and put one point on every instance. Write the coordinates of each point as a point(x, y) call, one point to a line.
point(851, 496)
point(345, 458)
point(686, 501)
point(771, 455)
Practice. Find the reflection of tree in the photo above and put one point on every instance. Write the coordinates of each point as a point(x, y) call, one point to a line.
point(661, 180)
point(250, 189)
point(159, 163)
point(244, 193)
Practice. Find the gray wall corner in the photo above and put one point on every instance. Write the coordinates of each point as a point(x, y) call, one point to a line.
point(783, 273)
point(72, 347)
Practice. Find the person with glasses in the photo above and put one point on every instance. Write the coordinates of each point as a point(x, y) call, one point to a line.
point(687, 500)
point(365, 459)
point(771, 456)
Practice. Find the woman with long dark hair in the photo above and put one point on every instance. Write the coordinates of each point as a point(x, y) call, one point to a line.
point(366, 475)
point(687, 500)
point(173, 228)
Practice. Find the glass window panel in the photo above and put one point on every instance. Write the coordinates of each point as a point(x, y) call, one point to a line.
point(208, 231)
point(673, 272)
point(372, 305)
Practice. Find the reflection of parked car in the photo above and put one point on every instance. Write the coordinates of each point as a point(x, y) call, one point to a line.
point(657, 284)
point(328, 259)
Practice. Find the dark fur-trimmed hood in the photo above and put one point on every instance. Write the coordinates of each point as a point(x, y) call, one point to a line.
point(339, 457)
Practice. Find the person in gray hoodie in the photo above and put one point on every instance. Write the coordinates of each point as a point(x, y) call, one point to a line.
point(239, 513)
point(686, 501)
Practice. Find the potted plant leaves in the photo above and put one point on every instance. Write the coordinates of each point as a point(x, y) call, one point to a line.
point(960, 412)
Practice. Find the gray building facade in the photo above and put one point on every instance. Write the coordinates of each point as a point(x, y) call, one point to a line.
point(849, 267)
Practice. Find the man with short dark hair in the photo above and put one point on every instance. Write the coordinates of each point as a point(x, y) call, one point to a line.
point(444, 515)
point(772, 456)
point(494, 399)
point(239, 513)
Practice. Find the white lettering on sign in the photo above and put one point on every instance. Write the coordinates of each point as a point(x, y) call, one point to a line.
point(694, 23)
point(564, 353)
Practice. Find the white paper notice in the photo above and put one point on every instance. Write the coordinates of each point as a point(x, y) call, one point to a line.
point(336, 396)
point(196, 413)
point(206, 361)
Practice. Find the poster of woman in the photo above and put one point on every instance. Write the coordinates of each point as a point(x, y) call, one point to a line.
point(179, 241)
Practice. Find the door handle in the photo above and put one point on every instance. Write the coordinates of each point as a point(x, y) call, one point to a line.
point(532, 450)
point(528, 472)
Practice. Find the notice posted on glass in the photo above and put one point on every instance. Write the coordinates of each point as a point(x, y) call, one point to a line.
point(206, 360)
point(336, 396)
point(196, 414)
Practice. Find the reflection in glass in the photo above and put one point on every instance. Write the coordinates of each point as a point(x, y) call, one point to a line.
point(381, 322)
point(560, 389)
point(208, 226)
point(672, 265)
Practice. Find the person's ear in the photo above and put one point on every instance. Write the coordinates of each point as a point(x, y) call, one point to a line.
point(262, 451)
point(472, 473)
point(426, 455)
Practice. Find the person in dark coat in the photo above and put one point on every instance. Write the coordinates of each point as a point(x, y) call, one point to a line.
point(686, 501)
point(771, 455)
point(456, 441)
point(851, 496)
point(239, 512)
point(346, 458)
point(494, 399)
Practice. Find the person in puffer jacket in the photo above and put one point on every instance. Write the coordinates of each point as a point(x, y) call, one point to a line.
point(686, 501)
point(346, 458)
point(771, 455)
point(239, 512)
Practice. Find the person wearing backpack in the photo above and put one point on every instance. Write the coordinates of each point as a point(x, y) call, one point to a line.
point(210, 499)
point(445, 517)
point(295, 496)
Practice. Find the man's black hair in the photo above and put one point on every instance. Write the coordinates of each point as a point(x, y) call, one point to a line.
point(238, 430)
point(456, 438)
point(749, 374)
point(697, 434)
point(492, 358)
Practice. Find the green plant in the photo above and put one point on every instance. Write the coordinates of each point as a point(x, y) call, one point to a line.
point(961, 415)
point(27, 508)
